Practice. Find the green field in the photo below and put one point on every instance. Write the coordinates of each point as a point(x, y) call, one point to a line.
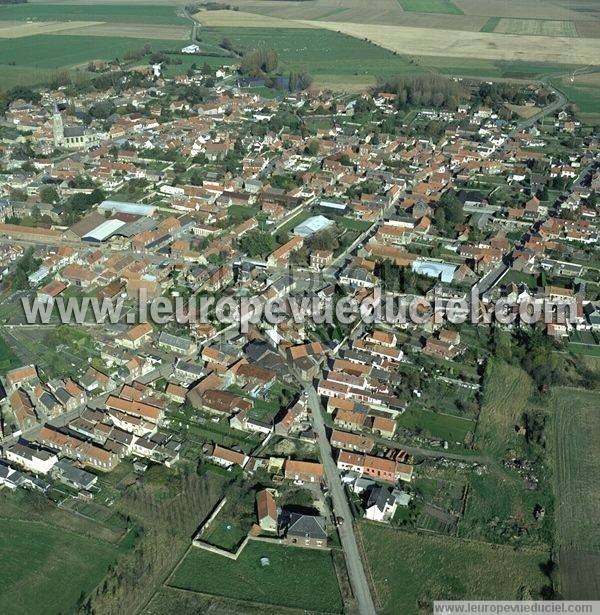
point(113, 13)
point(507, 390)
point(577, 467)
point(430, 6)
point(37, 560)
point(531, 27)
point(49, 51)
point(410, 570)
point(436, 425)
point(298, 578)
point(330, 57)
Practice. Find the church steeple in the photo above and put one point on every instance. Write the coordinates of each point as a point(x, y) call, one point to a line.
point(58, 130)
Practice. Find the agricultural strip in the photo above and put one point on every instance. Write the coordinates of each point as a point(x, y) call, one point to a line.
point(20, 30)
point(118, 13)
point(577, 489)
point(54, 51)
point(482, 45)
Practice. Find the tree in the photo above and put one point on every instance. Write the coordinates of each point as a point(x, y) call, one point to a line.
point(49, 195)
point(313, 148)
point(258, 243)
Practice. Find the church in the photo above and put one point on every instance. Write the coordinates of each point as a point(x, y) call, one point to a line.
point(72, 137)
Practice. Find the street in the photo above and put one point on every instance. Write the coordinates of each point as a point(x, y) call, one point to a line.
point(356, 572)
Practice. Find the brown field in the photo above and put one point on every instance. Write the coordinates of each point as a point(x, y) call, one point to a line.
point(240, 19)
point(523, 111)
point(12, 29)
point(146, 31)
point(483, 45)
point(588, 29)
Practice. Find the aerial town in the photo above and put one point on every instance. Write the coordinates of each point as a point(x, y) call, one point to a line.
point(261, 452)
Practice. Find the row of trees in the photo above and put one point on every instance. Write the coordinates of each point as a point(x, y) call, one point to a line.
point(424, 91)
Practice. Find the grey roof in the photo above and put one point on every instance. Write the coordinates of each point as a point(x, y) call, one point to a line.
point(187, 367)
point(380, 496)
point(176, 341)
point(74, 131)
point(137, 226)
point(28, 452)
point(307, 526)
point(74, 475)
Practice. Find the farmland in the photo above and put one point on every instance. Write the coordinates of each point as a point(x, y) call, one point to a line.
point(577, 424)
point(457, 44)
point(535, 27)
point(300, 578)
point(409, 570)
point(430, 6)
point(326, 54)
point(53, 52)
point(114, 13)
point(36, 560)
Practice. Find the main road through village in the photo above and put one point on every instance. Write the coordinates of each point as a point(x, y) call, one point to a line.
point(356, 571)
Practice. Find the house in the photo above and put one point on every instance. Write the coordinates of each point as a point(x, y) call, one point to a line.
point(378, 468)
point(136, 337)
point(73, 476)
point(20, 376)
point(384, 427)
point(319, 259)
point(23, 409)
point(381, 504)
point(305, 471)
point(225, 457)
point(304, 530)
point(177, 343)
point(218, 402)
point(352, 441)
point(32, 459)
point(266, 510)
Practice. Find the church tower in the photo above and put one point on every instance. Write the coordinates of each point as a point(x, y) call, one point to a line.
point(58, 130)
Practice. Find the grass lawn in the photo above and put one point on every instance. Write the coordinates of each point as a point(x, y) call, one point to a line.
point(436, 425)
point(296, 577)
point(411, 570)
point(430, 6)
point(507, 390)
point(45, 570)
point(49, 51)
point(354, 225)
point(584, 349)
point(114, 13)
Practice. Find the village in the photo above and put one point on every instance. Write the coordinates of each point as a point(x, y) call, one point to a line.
point(196, 186)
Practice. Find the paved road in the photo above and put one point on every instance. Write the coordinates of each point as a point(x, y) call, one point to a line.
point(356, 572)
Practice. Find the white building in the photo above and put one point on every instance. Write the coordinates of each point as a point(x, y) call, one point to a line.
point(34, 460)
point(191, 49)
